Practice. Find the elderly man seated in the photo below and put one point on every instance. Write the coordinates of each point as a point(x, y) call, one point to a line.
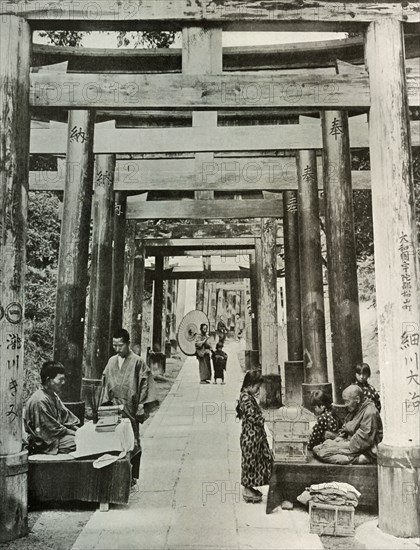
point(49, 424)
point(356, 442)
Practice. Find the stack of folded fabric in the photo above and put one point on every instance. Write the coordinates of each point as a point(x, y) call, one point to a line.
point(334, 493)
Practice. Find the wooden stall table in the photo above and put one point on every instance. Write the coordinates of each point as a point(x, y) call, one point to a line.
point(289, 480)
point(73, 476)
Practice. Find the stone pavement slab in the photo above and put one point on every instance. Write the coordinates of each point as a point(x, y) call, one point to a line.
point(189, 494)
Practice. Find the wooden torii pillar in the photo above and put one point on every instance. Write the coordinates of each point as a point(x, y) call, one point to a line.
point(397, 279)
point(98, 337)
point(74, 248)
point(312, 293)
point(341, 250)
point(201, 285)
point(269, 353)
point(253, 293)
point(15, 45)
point(293, 369)
point(134, 274)
point(158, 305)
point(137, 292)
point(117, 267)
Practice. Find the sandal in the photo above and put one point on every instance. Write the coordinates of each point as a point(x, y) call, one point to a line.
point(254, 500)
point(257, 492)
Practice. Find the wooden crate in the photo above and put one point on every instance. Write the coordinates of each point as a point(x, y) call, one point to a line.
point(326, 519)
point(290, 451)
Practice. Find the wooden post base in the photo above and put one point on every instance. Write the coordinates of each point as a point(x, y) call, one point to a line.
point(174, 345)
point(168, 350)
point(252, 359)
point(270, 393)
point(307, 390)
point(398, 490)
point(13, 496)
point(293, 380)
point(157, 362)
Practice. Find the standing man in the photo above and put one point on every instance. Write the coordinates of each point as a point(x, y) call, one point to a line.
point(128, 381)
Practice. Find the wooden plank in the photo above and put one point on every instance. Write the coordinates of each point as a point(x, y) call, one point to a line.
point(233, 15)
point(224, 253)
point(322, 53)
point(201, 276)
point(241, 175)
point(181, 140)
point(223, 91)
point(203, 209)
point(203, 244)
point(170, 230)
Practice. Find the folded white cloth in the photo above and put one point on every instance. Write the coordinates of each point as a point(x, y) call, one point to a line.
point(339, 485)
point(106, 460)
point(90, 442)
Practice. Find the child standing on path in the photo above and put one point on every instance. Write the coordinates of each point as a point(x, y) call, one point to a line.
point(219, 363)
point(257, 459)
point(362, 376)
point(326, 422)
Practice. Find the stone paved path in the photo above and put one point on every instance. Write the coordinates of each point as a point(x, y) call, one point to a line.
point(189, 493)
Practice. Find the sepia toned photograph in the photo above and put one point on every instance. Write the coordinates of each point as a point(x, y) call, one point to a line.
point(210, 279)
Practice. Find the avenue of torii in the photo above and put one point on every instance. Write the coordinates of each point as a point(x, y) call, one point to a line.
point(271, 172)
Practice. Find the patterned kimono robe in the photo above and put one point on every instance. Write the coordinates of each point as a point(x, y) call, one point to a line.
point(47, 421)
point(326, 421)
point(131, 386)
point(257, 459)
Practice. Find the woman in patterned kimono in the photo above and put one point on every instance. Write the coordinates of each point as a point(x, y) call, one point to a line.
point(257, 459)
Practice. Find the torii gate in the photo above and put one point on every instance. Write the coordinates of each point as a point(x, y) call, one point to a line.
point(384, 90)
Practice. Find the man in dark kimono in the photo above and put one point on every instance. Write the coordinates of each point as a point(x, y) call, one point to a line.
point(50, 426)
point(361, 432)
point(128, 381)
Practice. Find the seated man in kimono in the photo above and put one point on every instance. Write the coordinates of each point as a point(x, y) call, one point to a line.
point(50, 426)
point(128, 381)
point(356, 442)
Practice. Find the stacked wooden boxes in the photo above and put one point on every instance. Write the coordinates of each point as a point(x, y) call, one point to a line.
point(326, 519)
point(290, 434)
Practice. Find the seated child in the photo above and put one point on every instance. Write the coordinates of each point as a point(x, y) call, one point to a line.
point(327, 421)
point(219, 362)
point(362, 376)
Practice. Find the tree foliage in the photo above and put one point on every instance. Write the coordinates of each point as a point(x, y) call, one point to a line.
point(43, 241)
point(146, 39)
point(64, 38)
